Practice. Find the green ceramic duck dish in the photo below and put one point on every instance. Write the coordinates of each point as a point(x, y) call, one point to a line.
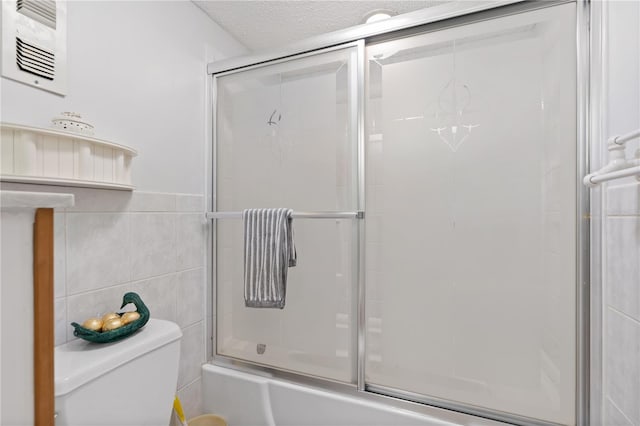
point(118, 333)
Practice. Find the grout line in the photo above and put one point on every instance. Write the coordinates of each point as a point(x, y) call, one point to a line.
point(176, 287)
point(619, 410)
point(625, 315)
point(66, 258)
point(192, 325)
point(130, 247)
point(99, 289)
point(190, 383)
point(194, 268)
point(141, 280)
point(65, 337)
point(136, 281)
point(168, 212)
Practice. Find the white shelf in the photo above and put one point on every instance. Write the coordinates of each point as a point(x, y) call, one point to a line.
point(55, 157)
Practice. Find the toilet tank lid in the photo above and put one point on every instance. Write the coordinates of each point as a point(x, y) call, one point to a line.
point(79, 362)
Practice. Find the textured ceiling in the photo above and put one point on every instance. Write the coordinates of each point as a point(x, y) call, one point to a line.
point(271, 23)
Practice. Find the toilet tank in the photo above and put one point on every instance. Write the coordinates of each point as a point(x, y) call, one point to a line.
point(126, 383)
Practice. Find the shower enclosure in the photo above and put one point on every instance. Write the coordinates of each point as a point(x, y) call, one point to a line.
point(433, 172)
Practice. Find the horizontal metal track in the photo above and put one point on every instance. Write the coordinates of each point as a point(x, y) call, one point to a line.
point(296, 215)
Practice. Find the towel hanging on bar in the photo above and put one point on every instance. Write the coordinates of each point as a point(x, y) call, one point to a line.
point(269, 251)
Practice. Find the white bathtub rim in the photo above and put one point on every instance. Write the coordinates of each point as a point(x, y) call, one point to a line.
point(423, 413)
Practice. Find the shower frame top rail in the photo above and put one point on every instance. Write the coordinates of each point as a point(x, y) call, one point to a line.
point(296, 215)
point(364, 31)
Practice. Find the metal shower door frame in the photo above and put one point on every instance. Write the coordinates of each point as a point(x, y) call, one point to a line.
point(357, 112)
point(419, 22)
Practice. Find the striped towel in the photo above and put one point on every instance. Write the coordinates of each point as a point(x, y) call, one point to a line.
point(268, 253)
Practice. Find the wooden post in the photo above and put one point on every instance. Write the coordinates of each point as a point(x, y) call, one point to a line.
point(43, 324)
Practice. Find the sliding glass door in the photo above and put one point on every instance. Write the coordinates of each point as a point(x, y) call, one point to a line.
point(471, 215)
point(463, 286)
point(286, 136)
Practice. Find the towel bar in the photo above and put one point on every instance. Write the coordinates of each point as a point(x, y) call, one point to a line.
point(296, 215)
point(619, 166)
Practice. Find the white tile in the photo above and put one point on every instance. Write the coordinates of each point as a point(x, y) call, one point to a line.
point(191, 398)
point(190, 298)
point(59, 255)
point(152, 202)
point(60, 321)
point(189, 203)
point(622, 363)
point(623, 199)
point(98, 250)
point(612, 416)
point(86, 199)
point(100, 200)
point(94, 304)
point(191, 354)
point(159, 294)
point(191, 234)
point(153, 244)
point(29, 187)
point(623, 264)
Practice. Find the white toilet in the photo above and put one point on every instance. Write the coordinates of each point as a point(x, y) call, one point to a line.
point(127, 383)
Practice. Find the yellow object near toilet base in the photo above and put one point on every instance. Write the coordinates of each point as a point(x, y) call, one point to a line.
point(207, 420)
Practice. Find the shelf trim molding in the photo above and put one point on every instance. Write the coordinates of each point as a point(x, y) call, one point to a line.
point(77, 136)
point(56, 157)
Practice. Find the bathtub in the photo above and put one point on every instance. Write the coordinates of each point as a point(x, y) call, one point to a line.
point(245, 399)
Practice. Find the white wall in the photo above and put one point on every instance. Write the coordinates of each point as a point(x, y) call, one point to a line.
point(137, 72)
point(621, 225)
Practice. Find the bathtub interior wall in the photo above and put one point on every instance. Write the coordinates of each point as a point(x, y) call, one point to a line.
point(146, 89)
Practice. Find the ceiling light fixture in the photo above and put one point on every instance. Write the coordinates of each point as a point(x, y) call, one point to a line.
point(378, 15)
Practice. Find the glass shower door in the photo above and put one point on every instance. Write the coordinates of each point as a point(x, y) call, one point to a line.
point(286, 136)
point(471, 215)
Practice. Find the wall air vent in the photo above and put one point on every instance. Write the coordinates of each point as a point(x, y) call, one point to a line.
point(34, 38)
point(35, 60)
point(43, 11)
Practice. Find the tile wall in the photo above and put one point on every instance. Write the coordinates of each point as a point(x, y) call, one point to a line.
point(621, 328)
point(621, 225)
point(112, 242)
